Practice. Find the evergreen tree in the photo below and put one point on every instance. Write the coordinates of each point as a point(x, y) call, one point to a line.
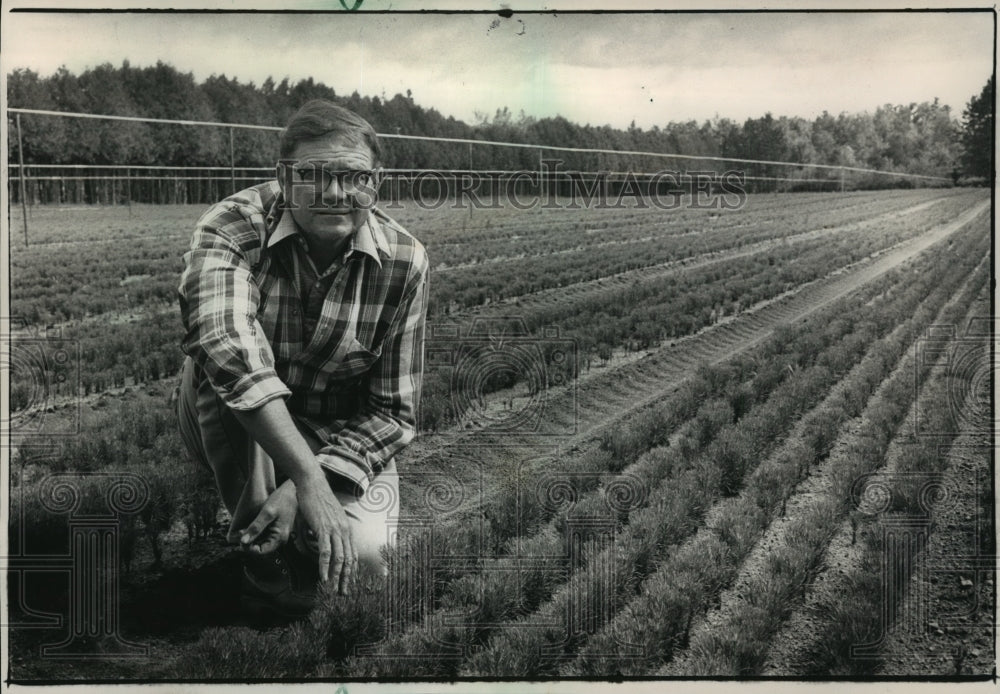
point(44, 137)
point(977, 134)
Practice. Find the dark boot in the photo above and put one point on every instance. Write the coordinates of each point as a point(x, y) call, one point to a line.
point(281, 584)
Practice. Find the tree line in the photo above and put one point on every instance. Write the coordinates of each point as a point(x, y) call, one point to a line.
point(918, 138)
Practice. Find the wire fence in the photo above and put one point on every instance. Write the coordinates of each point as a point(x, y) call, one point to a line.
point(494, 143)
point(113, 184)
point(110, 184)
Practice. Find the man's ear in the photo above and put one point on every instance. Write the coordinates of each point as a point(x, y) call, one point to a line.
point(367, 197)
point(279, 173)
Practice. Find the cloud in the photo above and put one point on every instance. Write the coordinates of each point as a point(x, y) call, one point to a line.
point(597, 68)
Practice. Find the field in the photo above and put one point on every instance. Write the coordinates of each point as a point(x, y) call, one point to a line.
point(702, 442)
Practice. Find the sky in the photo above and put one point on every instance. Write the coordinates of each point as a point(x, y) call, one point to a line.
point(651, 68)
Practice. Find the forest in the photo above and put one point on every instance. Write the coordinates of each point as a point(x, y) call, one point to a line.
point(924, 138)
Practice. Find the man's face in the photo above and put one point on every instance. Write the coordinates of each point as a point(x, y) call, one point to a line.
point(324, 190)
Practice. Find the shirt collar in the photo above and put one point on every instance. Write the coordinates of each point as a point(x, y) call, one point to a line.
point(369, 239)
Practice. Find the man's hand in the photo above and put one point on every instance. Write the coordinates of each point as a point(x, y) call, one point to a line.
point(325, 516)
point(270, 529)
point(272, 427)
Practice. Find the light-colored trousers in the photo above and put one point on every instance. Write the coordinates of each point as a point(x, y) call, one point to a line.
point(245, 474)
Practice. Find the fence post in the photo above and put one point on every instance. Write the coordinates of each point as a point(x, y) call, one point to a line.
point(21, 173)
point(128, 190)
point(232, 161)
point(541, 178)
point(470, 178)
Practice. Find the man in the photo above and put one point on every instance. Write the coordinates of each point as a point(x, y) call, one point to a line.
point(304, 309)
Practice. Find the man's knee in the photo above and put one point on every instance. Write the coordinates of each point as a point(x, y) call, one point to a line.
point(372, 540)
point(187, 415)
point(372, 562)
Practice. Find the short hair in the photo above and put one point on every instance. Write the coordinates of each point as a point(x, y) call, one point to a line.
point(320, 118)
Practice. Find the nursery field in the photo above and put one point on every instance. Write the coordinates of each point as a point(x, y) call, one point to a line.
point(686, 443)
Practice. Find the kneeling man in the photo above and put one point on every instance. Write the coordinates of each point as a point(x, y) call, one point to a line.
point(304, 308)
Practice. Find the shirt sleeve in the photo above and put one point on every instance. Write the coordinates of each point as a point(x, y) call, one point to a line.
point(219, 300)
point(387, 421)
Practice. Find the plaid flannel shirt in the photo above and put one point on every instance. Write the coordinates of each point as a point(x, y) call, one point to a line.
point(344, 346)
